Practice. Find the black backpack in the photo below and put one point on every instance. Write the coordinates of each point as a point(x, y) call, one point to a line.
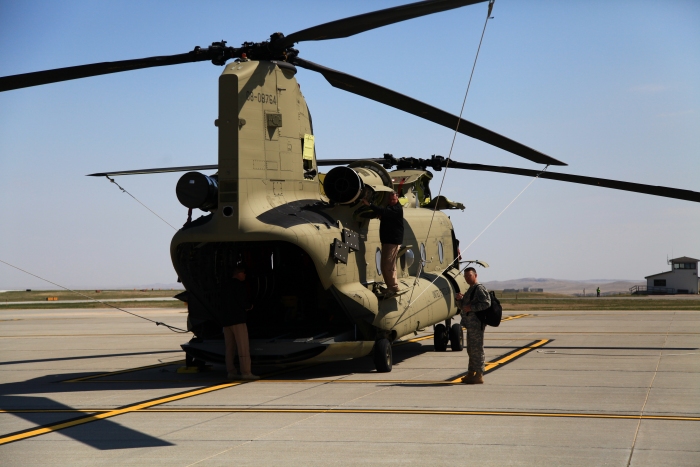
point(492, 315)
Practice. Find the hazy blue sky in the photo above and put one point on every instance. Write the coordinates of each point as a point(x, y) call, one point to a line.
point(610, 87)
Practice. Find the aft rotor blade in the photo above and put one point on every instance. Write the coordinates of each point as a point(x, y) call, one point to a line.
point(399, 101)
point(356, 24)
point(675, 193)
point(189, 168)
point(38, 78)
point(322, 162)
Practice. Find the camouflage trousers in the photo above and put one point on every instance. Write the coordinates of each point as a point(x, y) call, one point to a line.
point(475, 341)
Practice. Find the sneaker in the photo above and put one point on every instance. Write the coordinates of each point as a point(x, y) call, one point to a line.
point(250, 377)
point(233, 376)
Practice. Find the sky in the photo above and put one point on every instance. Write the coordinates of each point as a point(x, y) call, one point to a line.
point(610, 87)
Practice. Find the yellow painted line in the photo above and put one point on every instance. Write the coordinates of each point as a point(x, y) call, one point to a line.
point(508, 318)
point(53, 410)
point(111, 413)
point(609, 332)
point(102, 375)
point(375, 411)
point(416, 339)
point(430, 336)
point(517, 353)
point(434, 412)
point(32, 336)
point(198, 382)
point(508, 357)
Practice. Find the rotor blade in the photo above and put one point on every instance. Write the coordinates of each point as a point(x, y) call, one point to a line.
point(356, 24)
point(322, 162)
point(399, 101)
point(675, 193)
point(215, 52)
point(156, 171)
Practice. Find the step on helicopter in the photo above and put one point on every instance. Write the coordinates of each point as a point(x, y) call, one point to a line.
point(310, 246)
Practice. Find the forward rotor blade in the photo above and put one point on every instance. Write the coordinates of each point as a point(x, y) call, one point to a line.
point(156, 171)
point(356, 24)
point(38, 78)
point(675, 193)
point(399, 101)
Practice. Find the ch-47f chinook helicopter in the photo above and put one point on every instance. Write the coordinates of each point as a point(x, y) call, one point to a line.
point(310, 247)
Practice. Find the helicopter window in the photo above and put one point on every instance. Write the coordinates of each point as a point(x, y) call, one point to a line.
point(422, 252)
point(378, 260)
point(407, 259)
point(441, 254)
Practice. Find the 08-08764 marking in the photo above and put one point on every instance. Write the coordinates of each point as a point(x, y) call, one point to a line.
point(261, 97)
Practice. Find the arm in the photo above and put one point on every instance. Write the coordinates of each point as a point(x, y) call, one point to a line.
point(377, 210)
point(482, 299)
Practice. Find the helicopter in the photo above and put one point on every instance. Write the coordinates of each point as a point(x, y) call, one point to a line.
point(309, 246)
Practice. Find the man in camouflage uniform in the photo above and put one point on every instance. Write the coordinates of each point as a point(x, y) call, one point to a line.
point(475, 299)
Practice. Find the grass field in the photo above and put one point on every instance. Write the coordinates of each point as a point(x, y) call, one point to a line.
point(63, 295)
point(41, 295)
point(529, 301)
point(632, 303)
point(511, 302)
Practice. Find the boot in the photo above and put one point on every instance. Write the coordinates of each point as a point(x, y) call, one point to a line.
point(473, 377)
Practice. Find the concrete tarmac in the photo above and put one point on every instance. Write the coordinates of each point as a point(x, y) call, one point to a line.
point(99, 387)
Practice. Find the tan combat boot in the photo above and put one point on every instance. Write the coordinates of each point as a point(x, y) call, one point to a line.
point(473, 377)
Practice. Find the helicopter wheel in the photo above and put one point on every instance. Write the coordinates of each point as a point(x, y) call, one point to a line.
point(440, 338)
point(456, 338)
point(382, 356)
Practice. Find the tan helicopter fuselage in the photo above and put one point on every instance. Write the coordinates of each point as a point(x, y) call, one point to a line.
point(270, 202)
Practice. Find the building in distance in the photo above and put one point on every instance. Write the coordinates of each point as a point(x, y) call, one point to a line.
point(681, 279)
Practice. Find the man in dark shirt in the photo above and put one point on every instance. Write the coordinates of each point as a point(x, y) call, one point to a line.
point(391, 236)
point(475, 299)
point(235, 328)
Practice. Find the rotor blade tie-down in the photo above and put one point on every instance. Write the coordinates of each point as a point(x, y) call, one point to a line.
point(437, 276)
point(112, 180)
point(454, 137)
point(157, 323)
point(461, 111)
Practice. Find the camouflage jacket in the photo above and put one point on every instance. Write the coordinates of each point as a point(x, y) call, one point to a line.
point(481, 301)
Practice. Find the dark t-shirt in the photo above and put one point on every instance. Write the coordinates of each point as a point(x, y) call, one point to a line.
point(235, 304)
point(391, 225)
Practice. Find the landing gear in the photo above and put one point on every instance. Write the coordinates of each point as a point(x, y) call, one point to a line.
point(382, 356)
point(191, 362)
point(440, 338)
point(456, 338)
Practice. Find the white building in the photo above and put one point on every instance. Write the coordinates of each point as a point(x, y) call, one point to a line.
point(682, 278)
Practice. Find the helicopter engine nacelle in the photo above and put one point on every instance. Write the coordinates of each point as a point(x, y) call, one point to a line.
point(345, 185)
point(198, 191)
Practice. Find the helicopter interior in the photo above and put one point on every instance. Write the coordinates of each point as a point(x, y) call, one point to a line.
point(285, 307)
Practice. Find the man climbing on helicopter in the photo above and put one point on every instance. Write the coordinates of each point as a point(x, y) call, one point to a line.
point(391, 237)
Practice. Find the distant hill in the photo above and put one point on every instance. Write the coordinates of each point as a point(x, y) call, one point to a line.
point(565, 286)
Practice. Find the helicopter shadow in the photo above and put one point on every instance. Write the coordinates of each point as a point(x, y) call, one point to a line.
point(364, 365)
point(18, 399)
